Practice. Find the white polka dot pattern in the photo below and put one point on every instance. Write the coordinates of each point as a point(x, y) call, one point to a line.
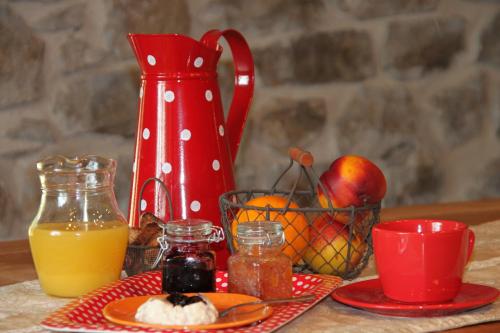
point(144, 205)
point(216, 165)
point(169, 96)
point(151, 60)
point(221, 130)
point(208, 95)
point(198, 62)
point(185, 135)
point(85, 314)
point(166, 168)
point(146, 133)
point(195, 206)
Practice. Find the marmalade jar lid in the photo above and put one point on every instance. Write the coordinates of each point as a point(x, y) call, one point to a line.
point(267, 233)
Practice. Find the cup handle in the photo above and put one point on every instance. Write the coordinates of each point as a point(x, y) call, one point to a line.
point(470, 247)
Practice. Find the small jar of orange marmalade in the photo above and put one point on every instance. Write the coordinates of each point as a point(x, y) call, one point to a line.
point(259, 268)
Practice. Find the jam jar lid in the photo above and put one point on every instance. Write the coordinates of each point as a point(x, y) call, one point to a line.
point(267, 233)
point(193, 230)
point(187, 231)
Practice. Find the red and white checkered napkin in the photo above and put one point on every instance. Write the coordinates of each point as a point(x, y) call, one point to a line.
point(85, 314)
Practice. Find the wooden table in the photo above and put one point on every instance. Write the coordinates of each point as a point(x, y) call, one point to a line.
point(16, 264)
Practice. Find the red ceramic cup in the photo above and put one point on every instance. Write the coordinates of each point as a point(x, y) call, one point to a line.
point(422, 261)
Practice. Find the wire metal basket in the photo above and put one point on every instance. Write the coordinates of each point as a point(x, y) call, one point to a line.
point(315, 239)
point(142, 258)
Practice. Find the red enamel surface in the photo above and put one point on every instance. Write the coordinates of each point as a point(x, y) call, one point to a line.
point(182, 137)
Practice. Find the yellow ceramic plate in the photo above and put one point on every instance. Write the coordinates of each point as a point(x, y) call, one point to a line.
point(122, 311)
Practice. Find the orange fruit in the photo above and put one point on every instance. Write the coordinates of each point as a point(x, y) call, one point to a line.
point(294, 224)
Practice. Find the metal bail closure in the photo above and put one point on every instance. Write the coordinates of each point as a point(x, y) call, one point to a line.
point(217, 235)
point(162, 240)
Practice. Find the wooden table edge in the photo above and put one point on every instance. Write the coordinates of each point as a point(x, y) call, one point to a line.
point(15, 255)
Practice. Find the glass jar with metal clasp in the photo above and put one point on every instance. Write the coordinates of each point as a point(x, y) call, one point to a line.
point(187, 262)
point(259, 268)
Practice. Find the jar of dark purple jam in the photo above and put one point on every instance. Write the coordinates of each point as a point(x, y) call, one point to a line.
point(188, 264)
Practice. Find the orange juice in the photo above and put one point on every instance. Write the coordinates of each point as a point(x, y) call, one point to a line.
point(73, 259)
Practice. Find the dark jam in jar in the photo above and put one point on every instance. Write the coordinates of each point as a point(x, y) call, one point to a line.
point(188, 272)
point(188, 264)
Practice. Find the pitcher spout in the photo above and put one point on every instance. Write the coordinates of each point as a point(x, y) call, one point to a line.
point(173, 54)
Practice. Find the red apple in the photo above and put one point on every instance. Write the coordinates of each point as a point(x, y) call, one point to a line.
point(351, 181)
point(329, 249)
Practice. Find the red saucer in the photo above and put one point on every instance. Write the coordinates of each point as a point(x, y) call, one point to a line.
point(368, 295)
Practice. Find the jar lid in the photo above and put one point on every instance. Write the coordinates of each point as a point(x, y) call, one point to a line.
point(188, 231)
point(193, 230)
point(188, 227)
point(268, 233)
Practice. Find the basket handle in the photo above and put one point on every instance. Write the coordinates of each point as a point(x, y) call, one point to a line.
point(306, 160)
point(167, 194)
point(303, 157)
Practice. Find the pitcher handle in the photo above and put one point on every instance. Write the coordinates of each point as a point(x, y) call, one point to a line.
point(243, 83)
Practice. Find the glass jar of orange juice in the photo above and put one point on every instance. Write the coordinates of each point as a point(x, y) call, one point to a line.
point(259, 268)
point(79, 236)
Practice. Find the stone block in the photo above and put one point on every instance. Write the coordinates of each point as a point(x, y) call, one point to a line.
point(418, 180)
point(78, 53)
point(366, 9)
point(259, 166)
point(262, 17)
point(123, 178)
point(11, 225)
point(39, 130)
point(40, 1)
point(114, 103)
point(399, 152)
point(274, 64)
point(345, 55)
point(104, 103)
point(70, 17)
point(14, 148)
point(383, 123)
point(416, 47)
point(288, 122)
point(145, 16)
point(462, 110)
point(490, 42)
point(488, 184)
point(379, 122)
point(21, 60)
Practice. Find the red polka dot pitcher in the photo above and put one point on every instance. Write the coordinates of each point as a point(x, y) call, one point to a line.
point(183, 139)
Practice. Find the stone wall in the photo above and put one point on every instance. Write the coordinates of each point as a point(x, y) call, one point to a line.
point(411, 84)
